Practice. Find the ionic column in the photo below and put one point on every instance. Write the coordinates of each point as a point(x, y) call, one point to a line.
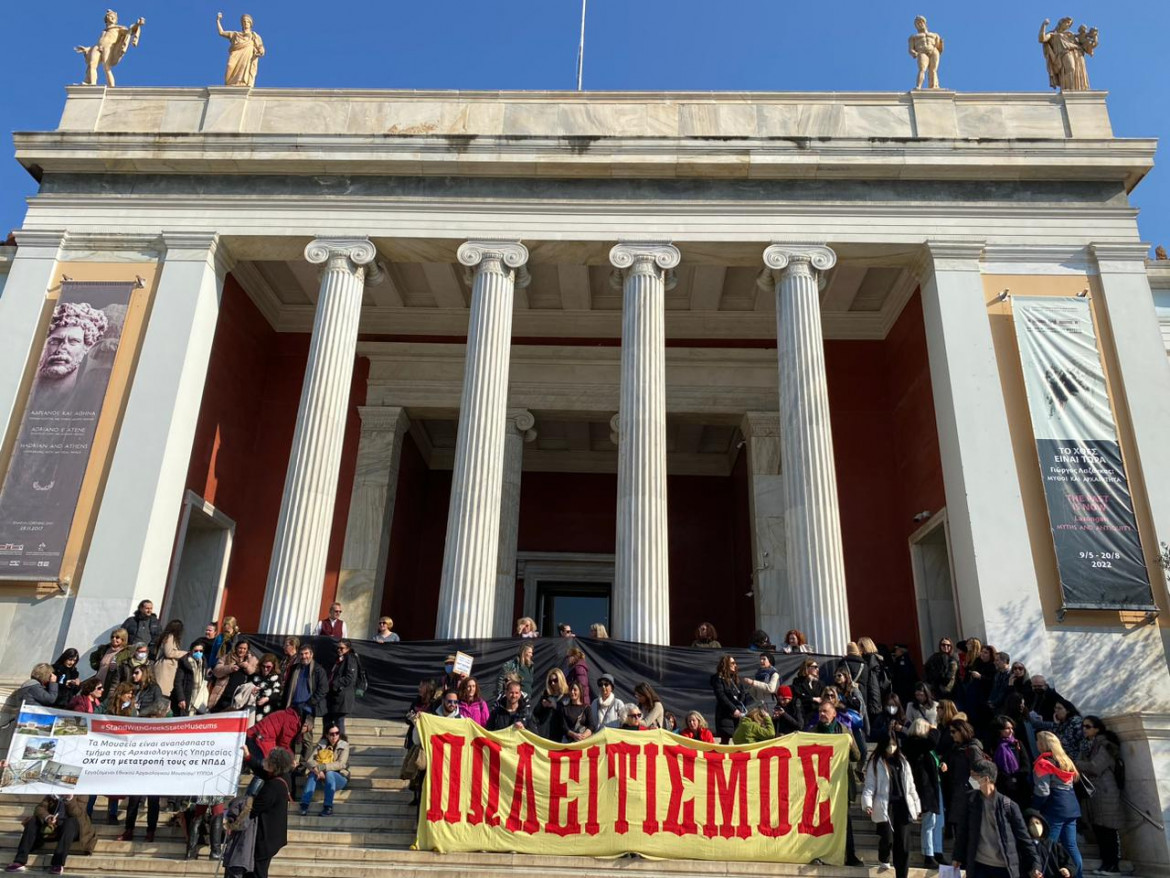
point(297, 569)
point(816, 566)
point(518, 429)
point(773, 598)
point(467, 593)
point(361, 581)
point(641, 593)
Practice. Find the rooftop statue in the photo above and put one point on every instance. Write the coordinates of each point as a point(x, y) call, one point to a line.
point(927, 49)
point(245, 49)
point(1064, 54)
point(109, 48)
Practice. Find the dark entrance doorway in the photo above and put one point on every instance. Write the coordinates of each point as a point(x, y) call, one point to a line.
point(579, 604)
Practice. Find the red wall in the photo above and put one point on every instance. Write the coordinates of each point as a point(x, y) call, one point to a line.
point(243, 439)
point(885, 445)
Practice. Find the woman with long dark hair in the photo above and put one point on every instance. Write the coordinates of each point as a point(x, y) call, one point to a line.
point(890, 798)
point(68, 678)
point(730, 698)
point(1105, 812)
point(169, 653)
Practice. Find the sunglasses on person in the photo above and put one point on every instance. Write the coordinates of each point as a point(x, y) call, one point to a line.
point(635, 716)
point(451, 702)
point(338, 734)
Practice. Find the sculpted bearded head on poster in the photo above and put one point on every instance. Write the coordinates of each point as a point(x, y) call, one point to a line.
point(73, 330)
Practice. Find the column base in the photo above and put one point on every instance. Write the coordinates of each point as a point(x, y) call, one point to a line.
point(1145, 746)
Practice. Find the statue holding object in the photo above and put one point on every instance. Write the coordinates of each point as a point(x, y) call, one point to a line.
point(245, 49)
point(926, 48)
point(1064, 54)
point(109, 48)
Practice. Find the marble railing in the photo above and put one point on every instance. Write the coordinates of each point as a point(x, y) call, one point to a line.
point(658, 115)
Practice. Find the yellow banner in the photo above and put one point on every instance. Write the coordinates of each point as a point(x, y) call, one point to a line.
point(652, 792)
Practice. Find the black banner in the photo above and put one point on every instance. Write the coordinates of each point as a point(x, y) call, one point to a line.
point(43, 482)
point(1090, 508)
point(681, 676)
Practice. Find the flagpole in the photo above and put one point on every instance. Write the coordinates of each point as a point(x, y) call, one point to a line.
point(581, 50)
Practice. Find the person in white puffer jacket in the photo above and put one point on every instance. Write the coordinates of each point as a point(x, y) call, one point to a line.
point(891, 800)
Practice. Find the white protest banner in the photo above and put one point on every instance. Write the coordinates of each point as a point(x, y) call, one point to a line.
point(59, 751)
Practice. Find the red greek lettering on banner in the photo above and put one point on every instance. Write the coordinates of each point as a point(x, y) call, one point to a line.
point(623, 764)
point(452, 772)
point(593, 754)
point(480, 813)
point(783, 757)
point(558, 792)
point(817, 816)
point(523, 791)
point(680, 815)
point(650, 824)
point(727, 795)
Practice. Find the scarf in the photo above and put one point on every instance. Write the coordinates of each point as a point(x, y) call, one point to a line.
point(1047, 765)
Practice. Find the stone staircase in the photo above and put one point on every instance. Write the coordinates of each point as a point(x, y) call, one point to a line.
point(370, 834)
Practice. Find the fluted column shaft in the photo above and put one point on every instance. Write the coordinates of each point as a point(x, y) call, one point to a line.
point(518, 429)
point(297, 569)
point(641, 593)
point(816, 566)
point(467, 592)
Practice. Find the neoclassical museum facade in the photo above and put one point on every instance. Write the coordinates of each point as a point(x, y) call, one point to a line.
point(646, 359)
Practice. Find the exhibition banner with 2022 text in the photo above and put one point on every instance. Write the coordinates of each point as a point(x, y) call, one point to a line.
point(61, 752)
point(626, 791)
point(1090, 507)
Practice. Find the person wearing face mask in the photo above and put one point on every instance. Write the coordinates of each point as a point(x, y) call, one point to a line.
point(1052, 860)
point(890, 798)
point(451, 680)
point(828, 724)
point(890, 722)
point(189, 695)
point(991, 840)
point(137, 658)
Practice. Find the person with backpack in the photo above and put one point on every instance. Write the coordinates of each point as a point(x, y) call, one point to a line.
point(1105, 770)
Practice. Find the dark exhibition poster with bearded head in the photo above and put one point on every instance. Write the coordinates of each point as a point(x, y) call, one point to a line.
point(52, 451)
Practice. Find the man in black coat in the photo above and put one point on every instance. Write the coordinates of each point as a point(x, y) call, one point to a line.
point(992, 839)
point(308, 685)
point(143, 626)
point(511, 711)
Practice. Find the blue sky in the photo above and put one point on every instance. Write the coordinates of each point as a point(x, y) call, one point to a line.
point(632, 44)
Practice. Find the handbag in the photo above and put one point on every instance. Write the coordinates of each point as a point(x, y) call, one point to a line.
point(1084, 786)
point(412, 764)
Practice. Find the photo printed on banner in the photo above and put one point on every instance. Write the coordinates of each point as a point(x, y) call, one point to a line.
point(1090, 508)
point(43, 482)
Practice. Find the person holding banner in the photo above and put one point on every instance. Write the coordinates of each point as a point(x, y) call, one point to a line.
point(512, 712)
point(41, 688)
point(696, 728)
point(59, 819)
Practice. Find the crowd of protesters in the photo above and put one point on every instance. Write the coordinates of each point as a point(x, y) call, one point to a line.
point(973, 747)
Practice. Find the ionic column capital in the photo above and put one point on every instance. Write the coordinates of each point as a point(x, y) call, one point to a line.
point(522, 422)
point(812, 260)
point(350, 255)
point(500, 257)
point(655, 258)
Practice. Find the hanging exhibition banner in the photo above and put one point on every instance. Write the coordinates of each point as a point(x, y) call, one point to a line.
point(626, 791)
point(40, 490)
point(1090, 509)
point(59, 751)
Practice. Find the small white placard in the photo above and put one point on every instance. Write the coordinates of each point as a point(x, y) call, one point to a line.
point(463, 664)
